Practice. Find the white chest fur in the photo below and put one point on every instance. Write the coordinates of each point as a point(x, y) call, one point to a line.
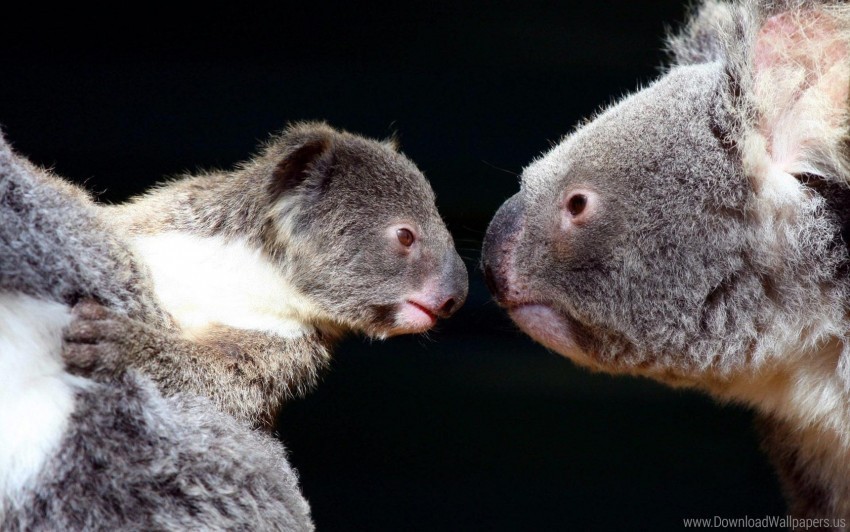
point(808, 395)
point(804, 391)
point(204, 281)
point(36, 395)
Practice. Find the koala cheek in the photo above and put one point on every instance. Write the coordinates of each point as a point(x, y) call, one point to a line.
point(548, 327)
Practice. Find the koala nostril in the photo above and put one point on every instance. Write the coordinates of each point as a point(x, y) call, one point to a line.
point(447, 307)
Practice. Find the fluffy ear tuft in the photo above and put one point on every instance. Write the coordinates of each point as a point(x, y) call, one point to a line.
point(801, 83)
point(706, 35)
point(296, 166)
point(393, 142)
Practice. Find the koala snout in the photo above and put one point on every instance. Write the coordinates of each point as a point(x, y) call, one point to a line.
point(498, 248)
point(454, 285)
point(439, 297)
point(496, 282)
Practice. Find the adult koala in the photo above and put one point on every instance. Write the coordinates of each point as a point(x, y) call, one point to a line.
point(84, 454)
point(696, 233)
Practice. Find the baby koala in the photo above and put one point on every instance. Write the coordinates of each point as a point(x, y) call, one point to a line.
point(264, 268)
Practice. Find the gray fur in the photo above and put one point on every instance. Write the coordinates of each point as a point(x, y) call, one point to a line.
point(54, 245)
point(679, 248)
point(695, 267)
point(316, 203)
point(132, 460)
point(129, 459)
point(348, 190)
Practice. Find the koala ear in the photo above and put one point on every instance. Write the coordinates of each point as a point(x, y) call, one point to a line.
point(704, 38)
point(302, 161)
point(801, 82)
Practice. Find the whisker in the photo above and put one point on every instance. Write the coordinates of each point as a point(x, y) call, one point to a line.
point(501, 169)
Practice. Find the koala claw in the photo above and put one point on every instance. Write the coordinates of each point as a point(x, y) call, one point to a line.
point(90, 310)
point(81, 358)
point(93, 339)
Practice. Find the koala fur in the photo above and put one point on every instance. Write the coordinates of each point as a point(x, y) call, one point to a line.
point(265, 267)
point(84, 454)
point(696, 233)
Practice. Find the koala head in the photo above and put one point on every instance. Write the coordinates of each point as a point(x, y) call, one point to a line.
point(355, 227)
point(693, 232)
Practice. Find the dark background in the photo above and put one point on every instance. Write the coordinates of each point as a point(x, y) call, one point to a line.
point(475, 427)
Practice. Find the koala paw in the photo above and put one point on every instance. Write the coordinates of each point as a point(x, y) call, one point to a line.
point(97, 339)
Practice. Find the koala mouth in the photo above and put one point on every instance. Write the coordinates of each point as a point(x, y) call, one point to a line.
point(413, 317)
point(550, 328)
point(432, 316)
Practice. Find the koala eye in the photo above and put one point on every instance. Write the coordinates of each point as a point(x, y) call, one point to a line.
point(405, 237)
point(576, 204)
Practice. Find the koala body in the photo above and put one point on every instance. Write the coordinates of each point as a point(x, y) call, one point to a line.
point(263, 268)
point(82, 454)
point(696, 233)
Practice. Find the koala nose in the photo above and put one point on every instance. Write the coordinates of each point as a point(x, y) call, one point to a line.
point(455, 283)
point(493, 285)
point(498, 246)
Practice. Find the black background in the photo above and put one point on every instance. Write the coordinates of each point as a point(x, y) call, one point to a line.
point(475, 427)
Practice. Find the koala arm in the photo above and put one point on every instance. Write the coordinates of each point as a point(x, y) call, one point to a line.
point(245, 373)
